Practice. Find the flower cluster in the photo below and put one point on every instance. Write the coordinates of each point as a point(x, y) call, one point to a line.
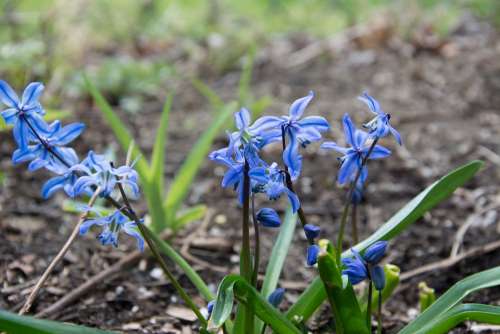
point(44, 145)
point(366, 266)
point(241, 156)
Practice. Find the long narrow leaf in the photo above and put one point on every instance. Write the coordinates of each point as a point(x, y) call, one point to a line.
point(277, 258)
point(189, 215)
point(234, 286)
point(215, 101)
point(186, 173)
point(16, 324)
point(119, 129)
point(452, 297)
point(486, 314)
point(315, 294)
point(158, 156)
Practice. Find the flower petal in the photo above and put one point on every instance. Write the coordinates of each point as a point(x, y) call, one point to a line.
point(371, 103)
point(291, 156)
point(330, 145)
point(231, 177)
point(68, 133)
point(9, 115)
point(298, 106)
point(348, 168)
point(317, 122)
point(378, 152)
point(242, 118)
point(8, 96)
point(396, 134)
point(31, 94)
point(349, 130)
point(265, 123)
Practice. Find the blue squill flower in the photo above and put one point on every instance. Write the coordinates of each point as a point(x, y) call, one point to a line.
point(271, 181)
point(276, 297)
point(300, 131)
point(234, 176)
point(50, 151)
point(24, 113)
point(359, 267)
point(268, 217)
point(312, 254)
point(210, 308)
point(112, 225)
point(353, 156)
point(311, 231)
point(98, 172)
point(380, 126)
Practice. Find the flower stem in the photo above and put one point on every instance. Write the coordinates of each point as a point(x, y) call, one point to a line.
point(256, 257)
point(354, 218)
point(369, 305)
point(345, 212)
point(154, 250)
point(34, 292)
point(245, 258)
point(379, 316)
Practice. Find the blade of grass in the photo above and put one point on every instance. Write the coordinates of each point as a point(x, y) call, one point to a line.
point(452, 297)
point(314, 295)
point(186, 173)
point(158, 156)
point(16, 324)
point(189, 215)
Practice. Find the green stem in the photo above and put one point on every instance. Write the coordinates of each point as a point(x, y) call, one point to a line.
point(245, 258)
point(379, 317)
point(256, 258)
point(154, 250)
point(354, 217)
point(369, 306)
point(347, 203)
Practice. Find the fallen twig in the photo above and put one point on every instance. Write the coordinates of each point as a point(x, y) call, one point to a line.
point(59, 256)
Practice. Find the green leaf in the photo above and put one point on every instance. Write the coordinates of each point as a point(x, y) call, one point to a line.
point(348, 316)
point(277, 258)
point(235, 287)
point(119, 129)
point(315, 294)
point(452, 297)
point(16, 324)
point(244, 94)
point(158, 156)
point(198, 154)
point(215, 101)
point(189, 215)
point(486, 314)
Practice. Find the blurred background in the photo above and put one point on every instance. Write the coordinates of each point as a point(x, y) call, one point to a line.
point(433, 65)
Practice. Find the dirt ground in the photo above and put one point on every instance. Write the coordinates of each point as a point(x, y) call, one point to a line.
point(443, 97)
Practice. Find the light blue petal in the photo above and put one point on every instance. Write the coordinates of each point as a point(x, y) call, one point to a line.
point(308, 135)
point(8, 96)
point(37, 164)
point(22, 155)
point(330, 145)
point(379, 152)
point(231, 177)
point(396, 135)
point(259, 174)
point(67, 134)
point(242, 118)
point(130, 230)
point(298, 106)
point(9, 115)
point(371, 103)
point(294, 199)
point(21, 133)
point(266, 123)
point(291, 156)
point(31, 94)
point(87, 224)
point(83, 183)
point(317, 122)
point(349, 130)
point(53, 185)
point(348, 167)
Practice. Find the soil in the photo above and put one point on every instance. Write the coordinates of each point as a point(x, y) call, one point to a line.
point(443, 98)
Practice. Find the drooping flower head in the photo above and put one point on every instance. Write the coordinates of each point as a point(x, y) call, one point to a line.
point(268, 217)
point(353, 156)
point(99, 172)
point(380, 126)
point(111, 226)
point(271, 181)
point(23, 114)
point(360, 267)
point(276, 297)
point(300, 131)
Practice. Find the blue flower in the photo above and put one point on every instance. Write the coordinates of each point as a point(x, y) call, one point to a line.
point(234, 175)
point(276, 297)
point(271, 180)
point(112, 225)
point(100, 173)
point(268, 217)
point(50, 151)
point(300, 131)
point(64, 181)
point(312, 254)
point(359, 267)
point(379, 126)
point(353, 156)
point(210, 307)
point(24, 113)
point(311, 231)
